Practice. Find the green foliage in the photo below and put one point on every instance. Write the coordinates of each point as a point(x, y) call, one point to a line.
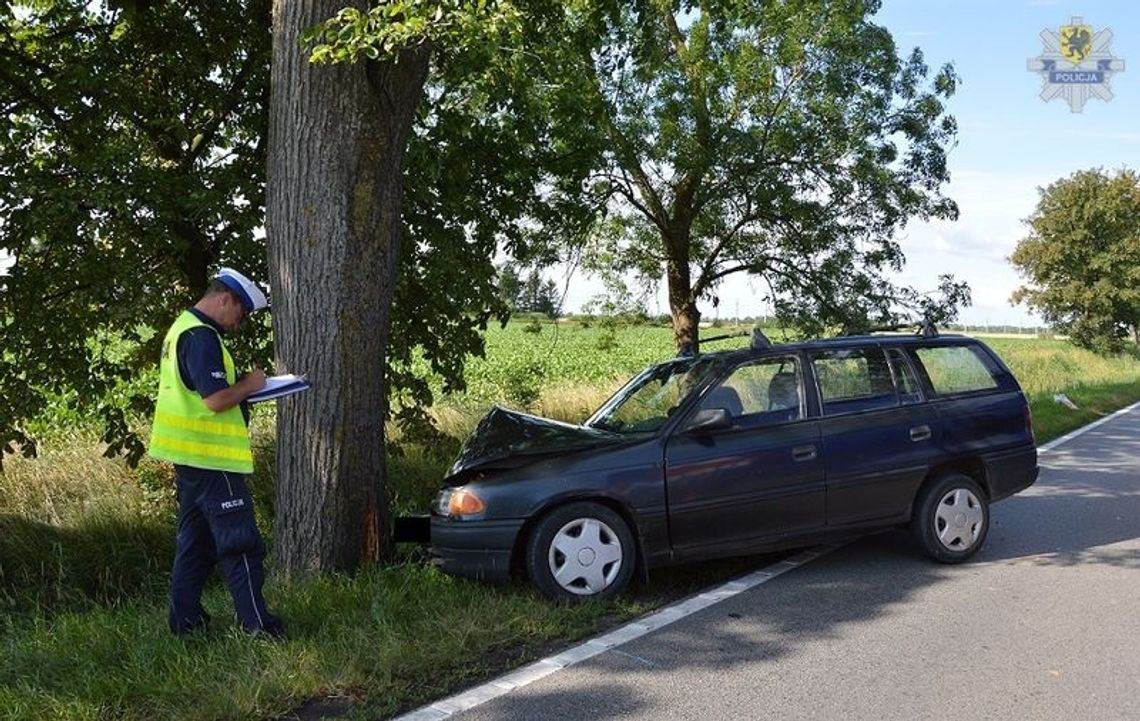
point(566, 355)
point(385, 29)
point(533, 326)
point(533, 296)
point(1081, 259)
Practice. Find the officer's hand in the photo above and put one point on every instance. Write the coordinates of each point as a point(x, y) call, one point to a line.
point(254, 380)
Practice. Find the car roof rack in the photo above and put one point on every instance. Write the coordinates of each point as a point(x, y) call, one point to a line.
point(686, 350)
point(923, 328)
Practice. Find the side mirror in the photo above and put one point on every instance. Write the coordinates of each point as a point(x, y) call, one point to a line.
point(710, 419)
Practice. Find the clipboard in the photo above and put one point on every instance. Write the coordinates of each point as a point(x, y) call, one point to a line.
point(279, 387)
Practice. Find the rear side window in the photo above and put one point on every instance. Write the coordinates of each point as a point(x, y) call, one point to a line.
point(956, 369)
point(853, 380)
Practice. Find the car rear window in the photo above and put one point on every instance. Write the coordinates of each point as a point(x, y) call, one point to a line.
point(956, 369)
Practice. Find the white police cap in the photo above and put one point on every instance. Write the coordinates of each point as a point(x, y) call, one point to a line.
point(252, 298)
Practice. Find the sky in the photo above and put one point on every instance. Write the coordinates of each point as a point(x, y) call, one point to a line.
point(1010, 142)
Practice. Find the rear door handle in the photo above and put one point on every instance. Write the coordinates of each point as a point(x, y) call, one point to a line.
point(803, 453)
point(920, 433)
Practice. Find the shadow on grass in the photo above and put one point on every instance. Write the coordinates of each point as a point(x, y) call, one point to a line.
point(106, 561)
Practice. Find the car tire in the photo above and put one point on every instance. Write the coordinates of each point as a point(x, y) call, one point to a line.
point(581, 551)
point(951, 518)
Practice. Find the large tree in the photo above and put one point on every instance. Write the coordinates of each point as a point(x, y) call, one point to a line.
point(133, 164)
point(1081, 259)
point(788, 140)
point(337, 137)
point(346, 102)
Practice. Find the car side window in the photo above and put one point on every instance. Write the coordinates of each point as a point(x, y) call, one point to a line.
point(759, 393)
point(851, 380)
point(956, 369)
point(905, 379)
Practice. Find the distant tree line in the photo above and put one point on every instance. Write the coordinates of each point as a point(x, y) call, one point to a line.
point(531, 294)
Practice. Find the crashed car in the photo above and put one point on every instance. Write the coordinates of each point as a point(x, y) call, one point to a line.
point(738, 452)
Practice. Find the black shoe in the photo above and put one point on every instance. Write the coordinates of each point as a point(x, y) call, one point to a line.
point(184, 626)
point(271, 626)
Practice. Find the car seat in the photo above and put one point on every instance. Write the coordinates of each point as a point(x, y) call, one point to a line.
point(783, 392)
point(724, 397)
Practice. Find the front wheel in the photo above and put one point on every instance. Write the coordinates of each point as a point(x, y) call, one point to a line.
point(951, 518)
point(581, 551)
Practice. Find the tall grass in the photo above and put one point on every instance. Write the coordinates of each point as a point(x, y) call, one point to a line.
point(78, 529)
point(1097, 385)
point(385, 640)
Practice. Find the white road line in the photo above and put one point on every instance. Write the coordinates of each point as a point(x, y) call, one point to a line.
point(518, 678)
point(635, 629)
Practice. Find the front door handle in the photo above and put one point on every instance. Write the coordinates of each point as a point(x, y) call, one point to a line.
point(803, 453)
point(920, 433)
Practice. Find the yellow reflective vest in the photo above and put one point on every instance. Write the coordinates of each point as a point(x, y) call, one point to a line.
point(185, 430)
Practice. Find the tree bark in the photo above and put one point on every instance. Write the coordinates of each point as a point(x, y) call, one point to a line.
point(682, 306)
point(337, 138)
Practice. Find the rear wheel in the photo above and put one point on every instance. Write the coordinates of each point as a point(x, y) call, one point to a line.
point(951, 518)
point(581, 551)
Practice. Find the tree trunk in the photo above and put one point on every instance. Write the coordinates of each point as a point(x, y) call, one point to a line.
point(337, 138)
point(686, 316)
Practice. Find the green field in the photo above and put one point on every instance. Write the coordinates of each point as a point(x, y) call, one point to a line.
point(86, 542)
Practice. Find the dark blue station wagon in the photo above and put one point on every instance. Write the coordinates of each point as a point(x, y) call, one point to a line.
point(740, 452)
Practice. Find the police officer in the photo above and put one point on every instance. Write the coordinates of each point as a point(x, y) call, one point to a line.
point(200, 425)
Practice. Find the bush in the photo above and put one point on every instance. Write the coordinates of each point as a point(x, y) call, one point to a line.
point(532, 327)
point(523, 384)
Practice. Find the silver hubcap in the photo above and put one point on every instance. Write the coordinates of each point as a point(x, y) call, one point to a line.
point(585, 556)
point(959, 519)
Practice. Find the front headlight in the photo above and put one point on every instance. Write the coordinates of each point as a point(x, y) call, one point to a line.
point(458, 502)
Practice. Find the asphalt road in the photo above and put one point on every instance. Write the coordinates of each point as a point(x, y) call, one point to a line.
point(1043, 624)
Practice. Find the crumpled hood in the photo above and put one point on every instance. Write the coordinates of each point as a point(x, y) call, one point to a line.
point(509, 438)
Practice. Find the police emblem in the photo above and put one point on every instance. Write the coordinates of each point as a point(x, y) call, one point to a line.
point(1077, 64)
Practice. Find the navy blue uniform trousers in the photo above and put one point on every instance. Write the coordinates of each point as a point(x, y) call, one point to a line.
point(216, 526)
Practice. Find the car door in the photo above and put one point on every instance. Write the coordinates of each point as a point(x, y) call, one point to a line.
point(879, 437)
point(759, 479)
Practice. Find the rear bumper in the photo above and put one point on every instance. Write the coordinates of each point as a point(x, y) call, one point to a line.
point(1011, 471)
point(474, 549)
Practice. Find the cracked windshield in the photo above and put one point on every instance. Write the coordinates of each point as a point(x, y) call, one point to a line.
point(651, 398)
